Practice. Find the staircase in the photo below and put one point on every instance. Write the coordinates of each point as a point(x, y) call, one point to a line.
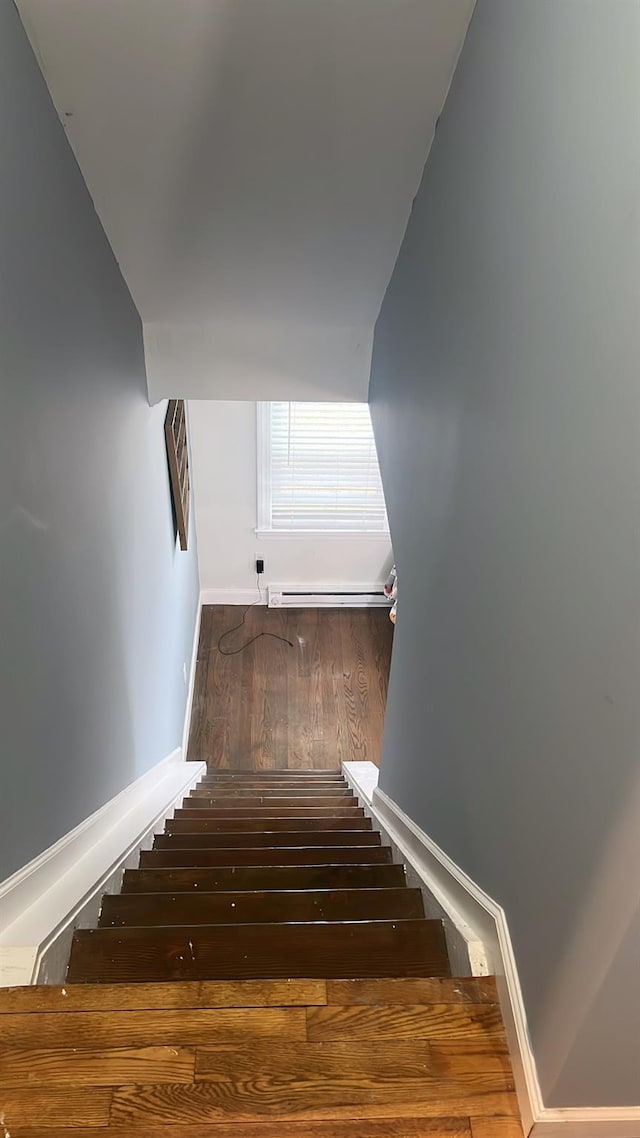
point(315, 1000)
point(263, 875)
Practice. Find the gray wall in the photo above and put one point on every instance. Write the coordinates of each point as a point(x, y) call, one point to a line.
point(97, 605)
point(505, 396)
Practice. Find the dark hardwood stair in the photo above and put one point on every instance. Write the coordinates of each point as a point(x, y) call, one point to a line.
point(330, 950)
point(244, 774)
point(299, 786)
point(276, 790)
point(240, 811)
point(190, 822)
point(269, 877)
point(263, 875)
point(256, 907)
point(274, 802)
point(211, 840)
point(267, 855)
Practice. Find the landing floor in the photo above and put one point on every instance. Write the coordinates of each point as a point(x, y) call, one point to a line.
point(256, 1059)
point(314, 705)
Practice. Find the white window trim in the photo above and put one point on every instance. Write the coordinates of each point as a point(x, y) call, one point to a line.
point(263, 489)
point(263, 529)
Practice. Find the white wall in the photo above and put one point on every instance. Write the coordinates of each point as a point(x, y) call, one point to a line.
point(223, 441)
point(280, 359)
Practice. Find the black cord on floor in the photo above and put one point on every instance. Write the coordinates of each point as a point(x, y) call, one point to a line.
point(273, 635)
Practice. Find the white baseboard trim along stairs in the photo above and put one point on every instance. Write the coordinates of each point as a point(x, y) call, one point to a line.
point(61, 889)
point(479, 941)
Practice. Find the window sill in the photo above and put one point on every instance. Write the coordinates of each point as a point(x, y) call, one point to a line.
point(349, 535)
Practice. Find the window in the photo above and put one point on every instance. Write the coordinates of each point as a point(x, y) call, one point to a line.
point(318, 470)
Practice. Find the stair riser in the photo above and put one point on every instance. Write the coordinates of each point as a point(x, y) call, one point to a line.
point(273, 772)
point(263, 794)
point(275, 802)
point(217, 811)
point(253, 878)
point(329, 855)
point(141, 909)
point(273, 783)
point(190, 822)
point(225, 952)
point(264, 838)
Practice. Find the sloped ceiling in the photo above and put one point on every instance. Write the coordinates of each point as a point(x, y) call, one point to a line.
point(253, 163)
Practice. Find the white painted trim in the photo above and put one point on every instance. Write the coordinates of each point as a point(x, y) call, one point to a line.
point(324, 534)
point(61, 889)
point(232, 596)
point(466, 901)
point(363, 778)
point(466, 951)
point(192, 679)
point(263, 469)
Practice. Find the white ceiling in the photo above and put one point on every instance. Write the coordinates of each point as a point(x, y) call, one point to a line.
point(253, 163)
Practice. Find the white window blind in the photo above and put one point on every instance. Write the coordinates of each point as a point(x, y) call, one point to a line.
point(318, 469)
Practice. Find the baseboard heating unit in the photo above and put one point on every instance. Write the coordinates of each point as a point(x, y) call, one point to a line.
point(330, 596)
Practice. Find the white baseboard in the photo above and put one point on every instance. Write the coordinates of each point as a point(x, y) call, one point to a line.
point(60, 890)
point(192, 680)
point(466, 951)
point(469, 906)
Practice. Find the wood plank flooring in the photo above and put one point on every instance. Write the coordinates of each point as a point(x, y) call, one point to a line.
point(412, 1058)
point(312, 706)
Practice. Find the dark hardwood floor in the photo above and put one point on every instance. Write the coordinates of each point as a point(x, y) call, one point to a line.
point(311, 706)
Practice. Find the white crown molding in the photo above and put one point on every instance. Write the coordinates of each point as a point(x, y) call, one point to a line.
point(468, 906)
point(60, 890)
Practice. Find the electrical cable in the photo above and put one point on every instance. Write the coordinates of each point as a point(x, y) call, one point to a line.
point(273, 635)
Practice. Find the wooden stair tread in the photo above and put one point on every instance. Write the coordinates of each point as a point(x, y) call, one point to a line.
point(261, 951)
point(239, 879)
point(274, 772)
point(196, 839)
point(217, 811)
point(275, 783)
point(254, 907)
point(254, 801)
point(248, 993)
point(267, 855)
point(192, 994)
point(279, 791)
point(199, 821)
